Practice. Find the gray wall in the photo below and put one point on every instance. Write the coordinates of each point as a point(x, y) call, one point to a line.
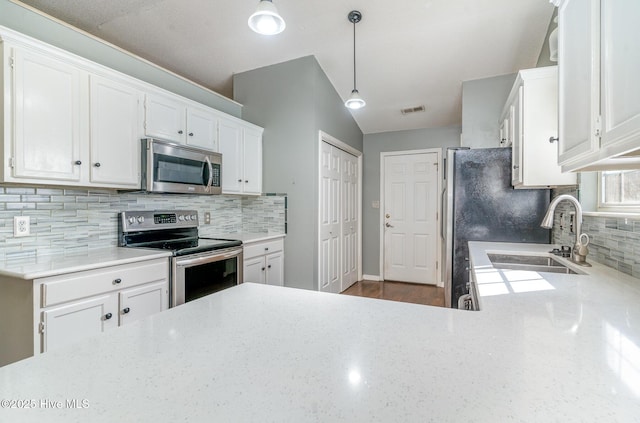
point(42, 28)
point(374, 144)
point(293, 101)
point(482, 104)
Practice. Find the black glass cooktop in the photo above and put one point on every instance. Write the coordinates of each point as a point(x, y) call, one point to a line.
point(184, 246)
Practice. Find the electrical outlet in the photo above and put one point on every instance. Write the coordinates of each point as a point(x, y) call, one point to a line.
point(21, 226)
point(207, 218)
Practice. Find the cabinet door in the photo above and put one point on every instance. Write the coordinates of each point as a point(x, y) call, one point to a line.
point(47, 116)
point(143, 301)
point(230, 143)
point(275, 266)
point(505, 140)
point(578, 78)
point(252, 143)
point(254, 270)
point(165, 118)
point(201, 128)
point(516, 142)
point(72, 322)
point(115, 138)
point(620, 97)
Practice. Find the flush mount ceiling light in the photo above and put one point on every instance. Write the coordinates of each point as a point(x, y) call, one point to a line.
point(266, 20)
point(355, 101)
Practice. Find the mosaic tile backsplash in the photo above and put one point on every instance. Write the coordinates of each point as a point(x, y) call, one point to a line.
point(76, 220)
point(614, 241)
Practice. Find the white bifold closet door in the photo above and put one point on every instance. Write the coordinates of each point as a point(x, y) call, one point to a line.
point(339, 216)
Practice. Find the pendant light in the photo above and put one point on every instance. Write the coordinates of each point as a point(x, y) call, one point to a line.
point(266, 20)
point(355, 101)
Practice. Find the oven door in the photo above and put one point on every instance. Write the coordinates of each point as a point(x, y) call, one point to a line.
point(197, 275)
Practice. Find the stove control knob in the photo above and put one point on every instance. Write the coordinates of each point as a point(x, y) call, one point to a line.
point(181, 217)
point(194, 217)
point(187, 217)
point(132, 220)
point(140, 219)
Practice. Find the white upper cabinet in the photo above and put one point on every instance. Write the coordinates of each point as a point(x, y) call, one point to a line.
point(71, 122)
point(533, 122)
point(63, 125)
point(241, 148)
point(170, 119)
point(164, 118)
point(114, 117)
point(599, 88)
point(46, 97)
point(201, 128)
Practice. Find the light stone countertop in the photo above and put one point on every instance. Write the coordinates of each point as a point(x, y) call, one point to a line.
point(57, 264)
point(570, 353)
point(248, 238)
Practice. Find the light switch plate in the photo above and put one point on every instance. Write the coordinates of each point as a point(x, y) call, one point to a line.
point(21, 226)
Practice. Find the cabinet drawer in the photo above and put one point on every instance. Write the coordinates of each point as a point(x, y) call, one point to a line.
point(59, 289)
point(262, 248)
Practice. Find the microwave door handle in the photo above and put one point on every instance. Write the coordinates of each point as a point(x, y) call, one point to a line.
point(210, 181)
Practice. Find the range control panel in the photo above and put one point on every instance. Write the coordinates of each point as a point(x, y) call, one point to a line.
point(153, 220)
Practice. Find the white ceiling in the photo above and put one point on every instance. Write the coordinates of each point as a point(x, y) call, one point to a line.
point(409, 52)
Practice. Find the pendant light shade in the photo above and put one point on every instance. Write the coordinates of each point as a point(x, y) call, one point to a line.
point(355, 101)
point(266, 20)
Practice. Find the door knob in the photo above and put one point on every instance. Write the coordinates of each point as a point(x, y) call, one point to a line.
point(388, 225)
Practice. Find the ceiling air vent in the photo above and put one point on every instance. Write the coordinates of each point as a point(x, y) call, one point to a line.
point(410, 110)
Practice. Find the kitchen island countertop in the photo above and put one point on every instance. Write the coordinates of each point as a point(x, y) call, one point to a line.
point(264, 353)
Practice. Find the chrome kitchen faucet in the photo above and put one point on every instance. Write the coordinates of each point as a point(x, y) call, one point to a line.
point(580, 251)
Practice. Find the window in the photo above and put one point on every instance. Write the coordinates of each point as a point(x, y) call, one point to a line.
point(620, 190)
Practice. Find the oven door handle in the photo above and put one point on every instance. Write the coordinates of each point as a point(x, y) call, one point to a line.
point(207, 259)
point(210, 166)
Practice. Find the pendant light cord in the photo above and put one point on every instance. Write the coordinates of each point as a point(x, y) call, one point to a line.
point(354, 56)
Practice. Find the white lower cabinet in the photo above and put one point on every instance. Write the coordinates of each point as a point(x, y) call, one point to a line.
point(77, 320)
point(264, 262)
point(81, 304)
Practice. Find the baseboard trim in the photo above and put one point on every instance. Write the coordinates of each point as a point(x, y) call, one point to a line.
point(371, 277)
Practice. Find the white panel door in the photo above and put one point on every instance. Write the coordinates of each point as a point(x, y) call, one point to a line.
point(329, 278)
point(140, 302)
point(73, 322)
point(620, 102)
point(349, 218)
point(165, 118)
point(47, 118)
point(230, 146)
point(411, 221)
point(254, 270)
point(252, 166)
point(201, 128)
point(275, 267)
point(578, 77)
point(115, 137)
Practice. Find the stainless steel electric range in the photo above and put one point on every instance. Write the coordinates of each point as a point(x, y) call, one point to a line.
point(199, 266)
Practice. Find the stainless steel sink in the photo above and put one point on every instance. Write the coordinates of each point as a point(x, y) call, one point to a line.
point(530, 263)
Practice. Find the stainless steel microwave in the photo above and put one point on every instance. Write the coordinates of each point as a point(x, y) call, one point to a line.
point(174, 168)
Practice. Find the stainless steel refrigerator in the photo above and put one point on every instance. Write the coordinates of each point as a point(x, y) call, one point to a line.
point(482, 205)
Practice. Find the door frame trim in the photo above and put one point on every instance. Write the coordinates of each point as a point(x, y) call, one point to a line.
point(324, 137)
point(383, 155)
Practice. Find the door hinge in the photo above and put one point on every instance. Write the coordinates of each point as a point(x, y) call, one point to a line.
point(41, 327)
point(11, 162)
point(11, 62)
point(598, 129)
point(437, 265)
